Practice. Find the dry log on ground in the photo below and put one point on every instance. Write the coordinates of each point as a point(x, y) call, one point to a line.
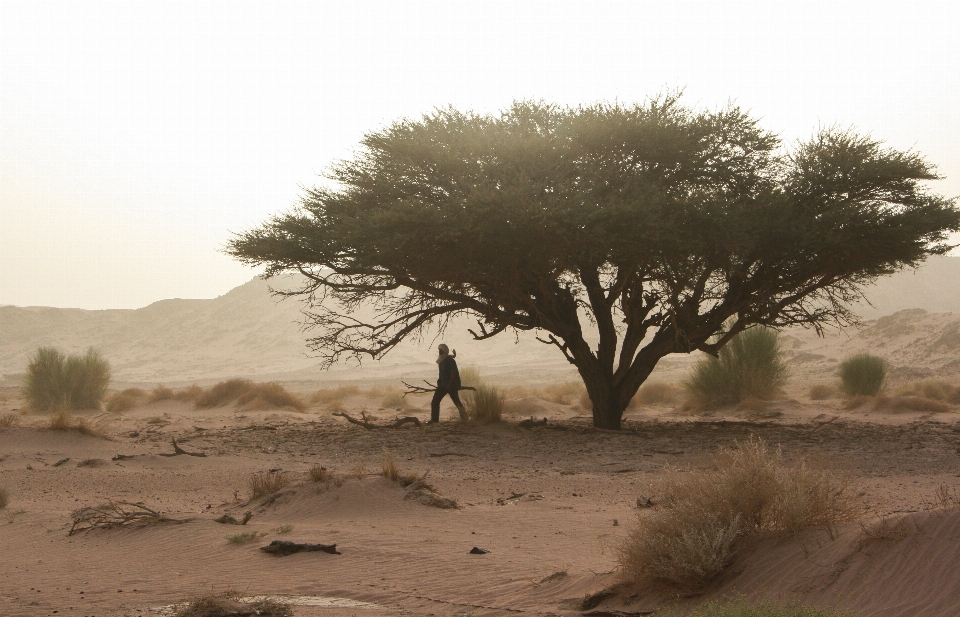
point(117, 514)
point(367, 424)
point(286, 547)
point(226, 519)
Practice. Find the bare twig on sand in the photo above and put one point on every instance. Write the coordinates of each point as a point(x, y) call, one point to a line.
point(430, 389)
point(365, 423)
point(177, 450)
point(117, 514)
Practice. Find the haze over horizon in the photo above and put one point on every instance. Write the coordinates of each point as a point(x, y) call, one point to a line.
point(134, 137)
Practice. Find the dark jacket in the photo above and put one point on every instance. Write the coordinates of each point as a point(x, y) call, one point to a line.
point(449, 379)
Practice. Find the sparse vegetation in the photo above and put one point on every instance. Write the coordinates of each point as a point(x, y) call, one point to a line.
point(910, 403)
point(563, 393)
point(690, 537)
point(63, 420)
point(657, 393)
point(485, 404)
point(283, 529)
point(763, 609)
point(125, 400)
point(266, 483)
point(9, 420)
point(245, 537)
point(863, 374)
point(4, 498)
point(393, 400)
point(749, 366)
point(329, 395)
point(932, 389)
point(392, 472)
point(230, 605)
point(223, 393)
point(270, 396)
point(318, 473)
point(821, 392)
point(55, 381)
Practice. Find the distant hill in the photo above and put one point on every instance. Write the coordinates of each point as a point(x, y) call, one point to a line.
point(247, 332)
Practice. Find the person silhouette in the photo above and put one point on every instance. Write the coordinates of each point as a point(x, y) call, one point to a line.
point(447, 383)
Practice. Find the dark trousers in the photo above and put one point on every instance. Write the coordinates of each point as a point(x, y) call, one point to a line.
point(435, 403)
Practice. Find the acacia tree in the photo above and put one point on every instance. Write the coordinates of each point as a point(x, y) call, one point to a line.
point(651, 229)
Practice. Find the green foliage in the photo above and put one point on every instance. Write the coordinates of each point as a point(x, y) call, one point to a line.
point(750, 366)
point(646, 225)
point(57, 381)
point(863, 374)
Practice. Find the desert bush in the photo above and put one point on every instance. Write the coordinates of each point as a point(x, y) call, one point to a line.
point(485, 404)
point(393, 400)
point(329, 395)
point(63, 420)
point(932, 389)
point(161, 393)
point(283, 529)
point(8, 420)
point(392, 472)
point(862, 374)
point(690, 537)
point(821, 392)
point(270, 395)
point(318, 473)
point(763, 609)
point(245, 537)
point(54, 380)
point(910, 403)
point(119, 402)
point(223, 393)
point(265, 483)
point(749, 366)
point(657, 393)
point(563, 393)
point(4, 498)
point(227, 604)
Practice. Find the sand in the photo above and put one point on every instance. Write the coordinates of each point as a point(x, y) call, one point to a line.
point(550, 505)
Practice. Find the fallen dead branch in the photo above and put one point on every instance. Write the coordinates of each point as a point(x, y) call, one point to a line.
point(286, 547)
point(530, 423)
point(367, 424)
point(177, 450)
point(226, 519)
point(430, 389)
point(117, 514)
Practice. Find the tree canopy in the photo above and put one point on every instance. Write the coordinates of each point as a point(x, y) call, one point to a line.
point(653, 229)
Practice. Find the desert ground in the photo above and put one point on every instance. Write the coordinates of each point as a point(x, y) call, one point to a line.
point(549, 502)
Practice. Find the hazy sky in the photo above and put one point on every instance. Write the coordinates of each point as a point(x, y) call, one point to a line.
point(134, 136)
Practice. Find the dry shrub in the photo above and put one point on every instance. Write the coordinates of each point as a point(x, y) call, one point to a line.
point(932, 389)
point(121, 402)
point(863, 374)
point(392, 472)
point(563, 393)
point(245, 537)
point(266, 483)
point(691, 536)
point(821, 392)
point(63, 420)
point(4, 498)
point(9, 420)
point(161, 393)
point(910, 403)
point(749, 366)
point(485, 404)
point(55, 380)
point(318, 473)
point(393, 400)
point(763, 609)
point(329, 395)
point(271, 395)
point(223, 393)
point(657, 393)
point(230, 604)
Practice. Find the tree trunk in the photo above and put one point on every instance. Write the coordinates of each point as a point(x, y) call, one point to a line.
point(607, 408)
